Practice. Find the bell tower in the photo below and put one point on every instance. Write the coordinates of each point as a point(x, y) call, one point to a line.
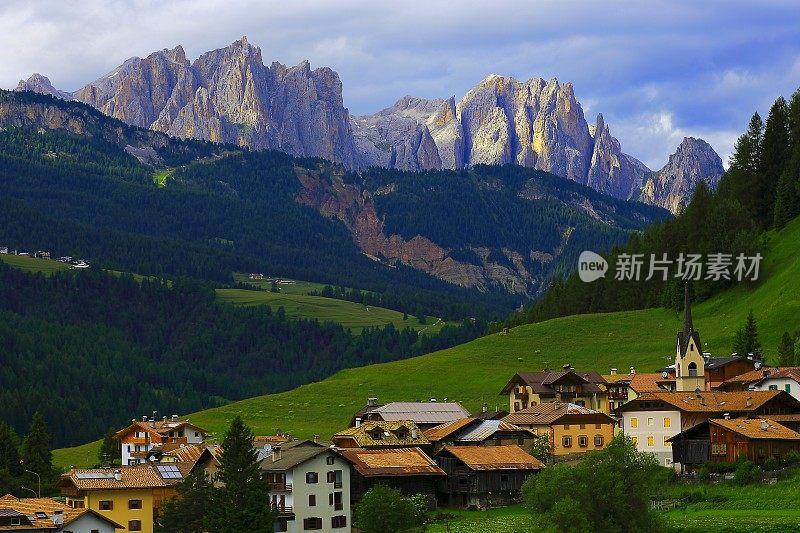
point(690, 366)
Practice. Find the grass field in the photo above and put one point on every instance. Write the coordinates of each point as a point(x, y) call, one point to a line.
point(349, 314)
point(160, 177)
point(298, 287)
point(475, 372)
point(31, 264)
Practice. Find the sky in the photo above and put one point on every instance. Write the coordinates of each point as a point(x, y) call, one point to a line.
point(657, 70)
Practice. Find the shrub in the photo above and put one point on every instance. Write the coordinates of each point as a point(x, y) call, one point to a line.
point(792, 457)
point(747, 472)
point(773, 463)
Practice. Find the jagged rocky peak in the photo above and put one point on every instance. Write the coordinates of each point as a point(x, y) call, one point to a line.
point(694, 161)
point(41, 84)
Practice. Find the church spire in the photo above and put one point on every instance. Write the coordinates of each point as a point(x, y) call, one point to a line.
point(688, 327)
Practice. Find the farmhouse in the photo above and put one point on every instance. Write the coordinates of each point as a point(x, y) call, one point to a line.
point(381, 434)
point(45, 515)
point(480, 477)
point(724, 440)
point(783, 378)
point(424, 414)
point(572, 429)
point(310, 487)
point(529, 389)
point(476, 432)
point(139, 438)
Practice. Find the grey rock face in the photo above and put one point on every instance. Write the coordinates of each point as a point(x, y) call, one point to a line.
point(694, 161)
point(41, 84)
point(229, 95)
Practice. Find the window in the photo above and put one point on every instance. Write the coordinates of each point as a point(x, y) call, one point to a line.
point(282, 524)
point(666, 438)
point(16, 522)
point(788, 388)
point(598, 441)
point(566, 426)
point(692, 369)
point(312, 523)
point(583, 426)
point(338, 521)
point(312, 477)
point(635, 440)
point(583, 441)
point(312, 500)
point(336, 501)
point(106, 505)
point(667, 422)
point(773, 387)
point(634, 422)
point(92, 531)
point(329, 460)
point(650, 441)
point(650, 422)
point(567, 442)
point(134, 504)
point(134, 525)
point(598, 426)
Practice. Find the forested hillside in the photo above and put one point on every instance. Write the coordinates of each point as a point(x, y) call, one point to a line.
point(90, 349)
point(760, 191)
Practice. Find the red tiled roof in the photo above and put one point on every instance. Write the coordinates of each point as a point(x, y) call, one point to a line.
point(510, 457)
point(391, 462)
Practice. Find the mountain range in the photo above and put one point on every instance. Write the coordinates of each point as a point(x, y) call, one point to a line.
point(229, 95)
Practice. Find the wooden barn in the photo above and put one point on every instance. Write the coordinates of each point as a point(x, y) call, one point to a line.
point(724, 440)
point(482, 477)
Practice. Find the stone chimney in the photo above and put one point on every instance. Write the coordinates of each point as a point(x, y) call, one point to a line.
point(118, 475)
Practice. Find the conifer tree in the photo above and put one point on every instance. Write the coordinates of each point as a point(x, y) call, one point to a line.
point(242, 503)
point(36, 454)
point(747, 338)
point(786, 354)
point(773, 156)
point(111, 449)
point(9, 450)
point(186, 512)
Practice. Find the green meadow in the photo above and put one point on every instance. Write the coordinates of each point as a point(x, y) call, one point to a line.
point(32, 264)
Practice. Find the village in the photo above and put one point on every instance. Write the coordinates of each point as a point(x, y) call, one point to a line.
point(701, 409)
point(46, 256)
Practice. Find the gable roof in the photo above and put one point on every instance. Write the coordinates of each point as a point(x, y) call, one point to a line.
point(510, 457)
point(542, 382)
point(160, 427)
point(752, 428)
point(388, 431)
point(285, 458)
point(421, 412)
point(650, 382)
point(142, 476)
point(549, 413)
point(765, 373)
point(30, 506)
point(391, 462)
point(710, 401)
point(486, 429)
point(442, 431)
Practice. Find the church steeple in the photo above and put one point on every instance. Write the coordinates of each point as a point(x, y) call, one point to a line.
point(688, 327)
point(689, 361)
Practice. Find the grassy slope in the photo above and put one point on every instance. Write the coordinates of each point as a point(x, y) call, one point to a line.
point(475, 372)
point(349, 314)
point(32, 264)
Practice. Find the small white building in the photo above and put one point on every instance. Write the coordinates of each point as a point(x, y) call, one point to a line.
point(4, 250)
point(310, 487)
point(139, 439)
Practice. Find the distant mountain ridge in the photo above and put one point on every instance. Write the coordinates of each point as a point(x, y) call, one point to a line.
point(229, 95)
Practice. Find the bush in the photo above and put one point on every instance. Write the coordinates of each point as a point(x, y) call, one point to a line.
point(747, 472)
point(792, 457)
point(704, 473)
point(773, 463)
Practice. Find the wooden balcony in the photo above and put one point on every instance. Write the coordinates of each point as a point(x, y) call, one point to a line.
point(139, 455)
point(135, 440)
point(283, 510)
point(280, 487)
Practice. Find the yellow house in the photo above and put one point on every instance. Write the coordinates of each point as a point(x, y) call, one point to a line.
point(529, 389)
point(572, 429)
point(128, 495)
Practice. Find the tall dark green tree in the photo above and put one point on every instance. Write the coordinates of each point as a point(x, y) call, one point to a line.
point(772, 158)
point(111, 449)
point(36, 454)
point(786, 354)
point(186, 512)
point(9, 450)
point(242, 503)
point(787, 201)
point(746, 340)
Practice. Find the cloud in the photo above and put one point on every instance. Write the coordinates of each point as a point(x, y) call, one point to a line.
point(705, 65)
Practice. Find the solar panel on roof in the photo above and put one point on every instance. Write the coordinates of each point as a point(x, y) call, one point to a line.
point(169, 472)
point(95, 475)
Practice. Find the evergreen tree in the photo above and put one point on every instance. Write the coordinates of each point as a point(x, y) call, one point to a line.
point(747, 338)
point(111, 449)
point(242, 503)
point(773, 155)
point(36, 454)
point(186, 513)
point(786, 354)
point(755, 134)
point(9, 450)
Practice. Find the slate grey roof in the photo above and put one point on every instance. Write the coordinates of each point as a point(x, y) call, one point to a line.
point(422, 412)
